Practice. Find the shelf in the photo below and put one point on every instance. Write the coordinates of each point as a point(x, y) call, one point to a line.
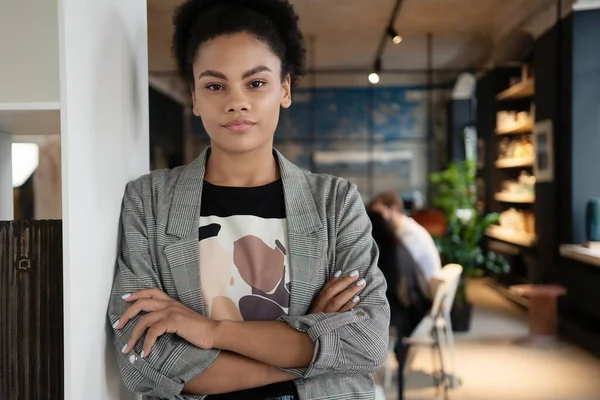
point(524, 128)
point(519, 91)
point(30, 118)
point(581, 254)
point(514, 163)
point(514, 198)
point(519, 238)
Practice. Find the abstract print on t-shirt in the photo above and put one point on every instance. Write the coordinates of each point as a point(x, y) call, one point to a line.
point(244, 263)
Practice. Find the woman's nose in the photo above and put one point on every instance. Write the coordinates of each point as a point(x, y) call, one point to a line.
point(238, 103)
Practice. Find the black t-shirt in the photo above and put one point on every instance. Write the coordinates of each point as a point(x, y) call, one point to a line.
point(244, 264)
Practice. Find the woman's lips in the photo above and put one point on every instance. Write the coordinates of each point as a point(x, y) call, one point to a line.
point(239, 125)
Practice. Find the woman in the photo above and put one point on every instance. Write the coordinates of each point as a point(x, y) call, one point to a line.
point(240, 275)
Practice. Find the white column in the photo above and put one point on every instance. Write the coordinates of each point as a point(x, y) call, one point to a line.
point(6, 186)
point(105, 143)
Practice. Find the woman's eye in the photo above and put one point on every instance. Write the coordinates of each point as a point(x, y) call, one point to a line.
point(214, 87)
point(256, 84)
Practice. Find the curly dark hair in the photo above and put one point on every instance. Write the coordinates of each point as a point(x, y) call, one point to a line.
point(272, 21)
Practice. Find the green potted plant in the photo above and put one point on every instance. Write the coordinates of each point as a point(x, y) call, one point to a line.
point(453, 192)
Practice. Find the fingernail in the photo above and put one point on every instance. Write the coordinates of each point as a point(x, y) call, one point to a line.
point(124, 348)
point(125, 296)
point(116, 323)
point(355, 299)
point(361, 282)
point(353, 274)
point(142, 354)
point(337, 274)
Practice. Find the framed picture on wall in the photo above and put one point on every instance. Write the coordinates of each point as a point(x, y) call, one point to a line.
point(543, 143)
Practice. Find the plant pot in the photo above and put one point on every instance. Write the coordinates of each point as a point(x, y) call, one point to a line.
point(460, 315)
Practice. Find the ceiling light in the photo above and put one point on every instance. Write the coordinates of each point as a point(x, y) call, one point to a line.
point(374, 76)
point(396, 38)
point(25, 160)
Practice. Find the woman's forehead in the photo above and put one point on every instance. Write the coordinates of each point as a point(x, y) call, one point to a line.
point(235, 54)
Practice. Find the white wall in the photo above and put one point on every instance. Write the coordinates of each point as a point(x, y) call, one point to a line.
point(29, 59)
point(105, 143)
point(6, 187)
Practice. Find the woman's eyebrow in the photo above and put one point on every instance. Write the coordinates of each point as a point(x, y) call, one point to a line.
point(254, 71)
point(214, 74)
point(247, 74)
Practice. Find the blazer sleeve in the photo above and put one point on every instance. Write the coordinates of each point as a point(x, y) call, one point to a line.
point(173, 361)
point(353, 342)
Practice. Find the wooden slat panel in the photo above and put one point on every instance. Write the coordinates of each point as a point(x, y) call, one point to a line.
point(31, 310)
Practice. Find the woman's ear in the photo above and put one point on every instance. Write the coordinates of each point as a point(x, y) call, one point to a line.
point(286, 92)
point(195, 109)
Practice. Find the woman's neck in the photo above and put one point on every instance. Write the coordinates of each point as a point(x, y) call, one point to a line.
point(255, 168)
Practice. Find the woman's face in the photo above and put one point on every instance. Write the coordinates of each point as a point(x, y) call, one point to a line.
point(238, 91)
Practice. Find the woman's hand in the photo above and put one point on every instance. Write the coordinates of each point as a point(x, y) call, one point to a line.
point(340, 294)
point(164, 315)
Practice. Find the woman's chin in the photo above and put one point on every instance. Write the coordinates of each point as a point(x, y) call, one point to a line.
point(239, 146)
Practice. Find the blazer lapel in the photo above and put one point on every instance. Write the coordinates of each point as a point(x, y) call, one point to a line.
point(183, 255)
point(305, 237)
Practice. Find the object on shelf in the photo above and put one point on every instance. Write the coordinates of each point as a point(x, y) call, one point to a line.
point(519, 191)
point(521, 148)
point(518, 221)
point(519, 238)
point(514, 122)
point(592, 220)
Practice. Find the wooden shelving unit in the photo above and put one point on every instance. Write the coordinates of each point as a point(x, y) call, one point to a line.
point(497, 95)
point(521, 90)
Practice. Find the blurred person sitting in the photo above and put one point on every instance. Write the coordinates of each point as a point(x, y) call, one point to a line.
point(407, 289)
point(414, 237)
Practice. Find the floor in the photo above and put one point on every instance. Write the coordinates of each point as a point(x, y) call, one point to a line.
point(492, 365)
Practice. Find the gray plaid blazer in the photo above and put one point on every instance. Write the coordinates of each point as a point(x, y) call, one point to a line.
point(328, 230)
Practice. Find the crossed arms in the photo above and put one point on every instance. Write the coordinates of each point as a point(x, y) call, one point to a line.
point(184, 358)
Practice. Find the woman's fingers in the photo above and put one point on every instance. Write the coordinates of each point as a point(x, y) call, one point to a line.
point(333, 288)
point(152, 336)
point(351, 304)
point(141, 326)
point(147, 305)
point(338, 303)
point(154, 293)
